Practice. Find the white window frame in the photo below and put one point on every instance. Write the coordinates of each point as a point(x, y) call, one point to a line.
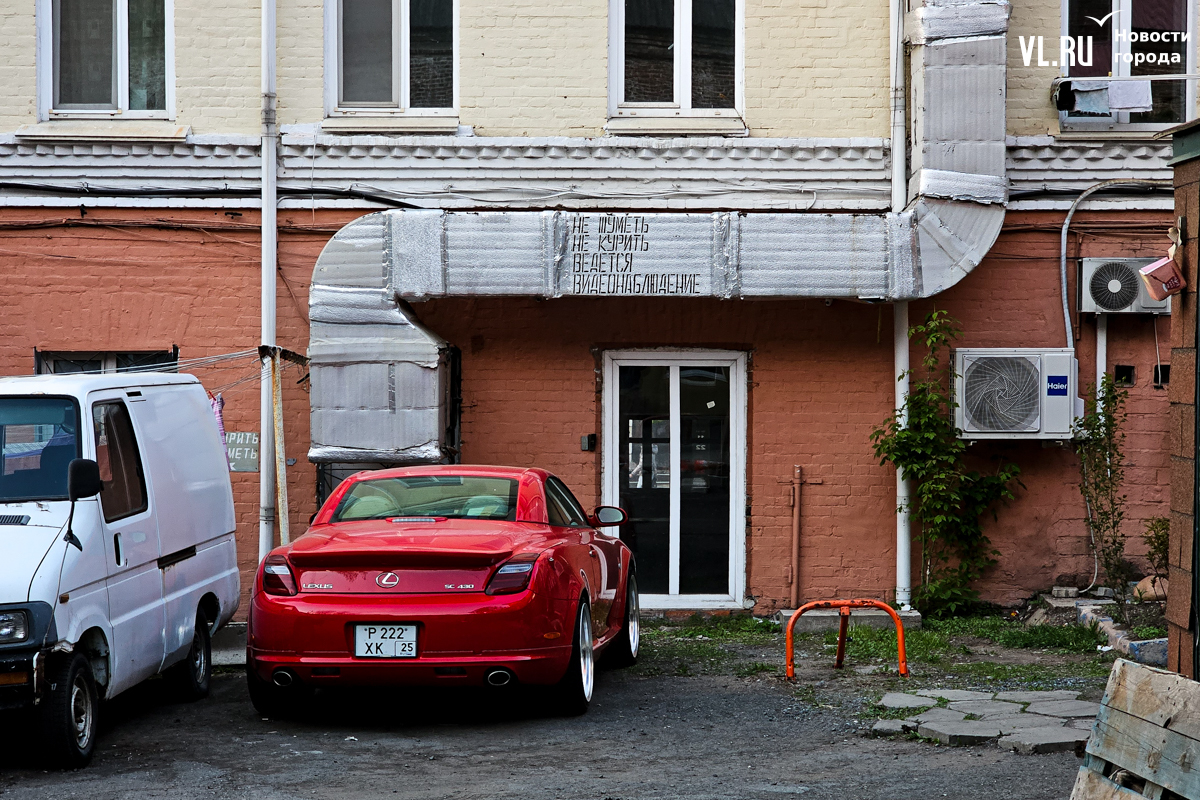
point(738, 436)
point(46, 78)
point(400, 60)
point(1119, 121)
point(682, 108)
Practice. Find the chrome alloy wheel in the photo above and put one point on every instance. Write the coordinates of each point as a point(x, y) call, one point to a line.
point(633, 618)
point(586, 656)
point(82, 705)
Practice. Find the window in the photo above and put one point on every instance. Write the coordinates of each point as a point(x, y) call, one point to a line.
point(38, 439)
point(123, 484)
point(107, 57)
point(561, 506)
point(395, 55)
point(1128, 38)
point(450, 496)
point(676, 58)
point(58, 363)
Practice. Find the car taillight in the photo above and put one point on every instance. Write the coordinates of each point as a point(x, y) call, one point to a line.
point(513, 576)
point(278, 577)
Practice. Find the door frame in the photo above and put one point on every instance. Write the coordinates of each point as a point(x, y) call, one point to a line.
point(610, 492)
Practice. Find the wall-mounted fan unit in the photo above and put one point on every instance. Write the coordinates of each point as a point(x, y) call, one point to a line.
point(1016, 393)
point(1112, 286)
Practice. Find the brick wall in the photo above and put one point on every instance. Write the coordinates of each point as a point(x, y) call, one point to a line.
point(1180, 630)
point(820, 376)
point(18, 73)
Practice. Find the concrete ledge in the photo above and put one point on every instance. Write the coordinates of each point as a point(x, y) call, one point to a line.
point(229, 645)
point(1144, 651)
point(826, 619)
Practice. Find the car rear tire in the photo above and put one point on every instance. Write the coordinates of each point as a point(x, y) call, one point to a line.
point(193, 676)
point(69, 713)
point(575, 688)
point(623, 652)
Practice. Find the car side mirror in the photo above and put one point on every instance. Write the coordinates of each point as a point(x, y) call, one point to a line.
point(605, 516)
point(83, 479)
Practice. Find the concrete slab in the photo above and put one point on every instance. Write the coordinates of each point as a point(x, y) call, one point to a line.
point(827, 619)
point(1064, 708)
point(892, 727)
point(1081, 723)
point(229, 646)
point(938, 715)
point(1044, 740)
point(955, 694)
point(901, 700)
point(1020, 722)
point(959, 733)
point(983, 707)
point(1036, 697)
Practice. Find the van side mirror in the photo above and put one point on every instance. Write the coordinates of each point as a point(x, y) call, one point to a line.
point(605, 516)
point(83, 479)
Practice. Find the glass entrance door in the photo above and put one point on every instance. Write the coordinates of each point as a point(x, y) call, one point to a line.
point(674, 446)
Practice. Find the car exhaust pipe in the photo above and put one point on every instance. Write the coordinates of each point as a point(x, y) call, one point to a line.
point(498, 677)
point(283, 678)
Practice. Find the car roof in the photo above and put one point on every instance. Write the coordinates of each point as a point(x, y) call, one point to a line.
point(79, 384)
point(466, 470)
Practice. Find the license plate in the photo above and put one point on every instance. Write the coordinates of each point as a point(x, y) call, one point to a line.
point(385, 641)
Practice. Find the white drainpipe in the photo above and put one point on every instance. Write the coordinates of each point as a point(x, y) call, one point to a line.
point(266, 424)
point(899, 152)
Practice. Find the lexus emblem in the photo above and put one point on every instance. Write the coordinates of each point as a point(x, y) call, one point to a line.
point(387, 579)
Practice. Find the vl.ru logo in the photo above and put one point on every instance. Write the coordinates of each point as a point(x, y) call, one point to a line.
point(1071, 51)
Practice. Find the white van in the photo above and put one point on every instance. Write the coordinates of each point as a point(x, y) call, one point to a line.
point(117, 554)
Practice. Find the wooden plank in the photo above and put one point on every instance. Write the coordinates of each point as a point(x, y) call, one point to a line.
point(1161, 756)
point(1090, 785)
point(1162, 698)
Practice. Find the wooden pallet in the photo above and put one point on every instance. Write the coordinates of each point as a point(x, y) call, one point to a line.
point(1146, 742)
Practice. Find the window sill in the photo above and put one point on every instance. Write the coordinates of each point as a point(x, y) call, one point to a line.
point(392, 123)
point(676, 126)
point(87, 130)
point(1113, 134)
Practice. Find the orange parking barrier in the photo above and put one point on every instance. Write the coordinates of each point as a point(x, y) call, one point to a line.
point(844, 607)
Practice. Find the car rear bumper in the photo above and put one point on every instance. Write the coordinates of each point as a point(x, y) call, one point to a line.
point(460, 638)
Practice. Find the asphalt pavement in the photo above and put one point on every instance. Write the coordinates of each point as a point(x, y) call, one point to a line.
point(644, 737)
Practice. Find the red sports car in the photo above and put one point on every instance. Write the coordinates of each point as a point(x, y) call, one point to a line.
point(444, 575)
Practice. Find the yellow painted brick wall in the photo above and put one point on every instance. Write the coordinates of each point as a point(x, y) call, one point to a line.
point(1030, 110)
point(18, 44)
point(817, 67)
point(300, 60)
point(217, 65)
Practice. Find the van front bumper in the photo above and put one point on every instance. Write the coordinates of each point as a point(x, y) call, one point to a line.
point(21, 678)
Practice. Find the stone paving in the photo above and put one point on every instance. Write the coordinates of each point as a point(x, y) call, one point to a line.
point(1027, 722)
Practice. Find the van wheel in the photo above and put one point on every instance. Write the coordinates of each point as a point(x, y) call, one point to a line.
point(575, 689)
point(69, 713)
point(193, 675)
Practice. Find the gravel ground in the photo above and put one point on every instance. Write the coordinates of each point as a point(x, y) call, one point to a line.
point(649, 734)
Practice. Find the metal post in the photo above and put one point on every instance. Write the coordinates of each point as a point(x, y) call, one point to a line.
point(797, 479)
point(266, 466)
point(1101, 357)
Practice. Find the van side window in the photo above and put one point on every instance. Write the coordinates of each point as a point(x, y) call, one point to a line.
point(124, 483)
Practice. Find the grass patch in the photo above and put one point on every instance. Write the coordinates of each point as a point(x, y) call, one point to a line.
point(879, 644)
point(1140, 632)
point(1061, 638)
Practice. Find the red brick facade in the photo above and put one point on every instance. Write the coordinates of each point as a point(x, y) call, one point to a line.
point(820, 376)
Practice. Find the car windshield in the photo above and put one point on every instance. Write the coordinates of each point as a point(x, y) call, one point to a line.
point(454, 496)
point(38, 438)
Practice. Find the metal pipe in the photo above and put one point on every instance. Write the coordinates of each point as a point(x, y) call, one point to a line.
point(903, 490)
point(268, 149)
point(281, 497)
point(797, 480)
point(1195, 452)
point(899, 148)
point(1101, 356)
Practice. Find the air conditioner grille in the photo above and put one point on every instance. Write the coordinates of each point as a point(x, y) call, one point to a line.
point(1000, 393)
point(1114, 286)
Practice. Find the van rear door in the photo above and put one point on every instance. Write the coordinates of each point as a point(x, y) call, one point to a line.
point(131, 542)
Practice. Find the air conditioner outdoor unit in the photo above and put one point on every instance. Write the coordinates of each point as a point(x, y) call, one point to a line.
point(1016, 393)
point(1112, 286)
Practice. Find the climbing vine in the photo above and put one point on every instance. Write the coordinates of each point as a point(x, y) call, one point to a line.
point(948, 499)
point(1100, 445)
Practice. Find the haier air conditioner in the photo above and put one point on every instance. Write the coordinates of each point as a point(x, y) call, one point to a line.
point(1016, 393)
point(1113, 286)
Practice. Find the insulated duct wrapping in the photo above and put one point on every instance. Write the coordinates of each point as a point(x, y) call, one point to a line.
point(380, 381)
